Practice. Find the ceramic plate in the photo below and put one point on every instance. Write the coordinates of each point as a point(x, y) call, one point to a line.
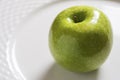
point(30, 54)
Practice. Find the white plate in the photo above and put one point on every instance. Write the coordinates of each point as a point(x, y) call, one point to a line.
point(30, 53)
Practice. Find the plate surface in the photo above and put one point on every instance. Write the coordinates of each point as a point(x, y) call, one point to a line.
point(30, 49)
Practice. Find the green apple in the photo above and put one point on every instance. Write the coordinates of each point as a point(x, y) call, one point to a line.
point(80, 38)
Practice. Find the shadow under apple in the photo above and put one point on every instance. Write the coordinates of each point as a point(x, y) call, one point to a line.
point(56, 72)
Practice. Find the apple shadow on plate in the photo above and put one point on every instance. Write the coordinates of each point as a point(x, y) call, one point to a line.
point(56, 72)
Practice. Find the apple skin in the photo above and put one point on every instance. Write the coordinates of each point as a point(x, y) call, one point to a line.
point(80, 38)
